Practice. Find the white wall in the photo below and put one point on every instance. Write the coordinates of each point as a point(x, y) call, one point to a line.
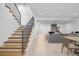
point(67, 28)
point(64, 23)
point(43, 28)
point(71, 26)
point(13, 10)
point(75, 25)
point(26, 14)
point(7, 23)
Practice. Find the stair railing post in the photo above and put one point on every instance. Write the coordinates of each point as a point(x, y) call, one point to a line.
point(22, 43)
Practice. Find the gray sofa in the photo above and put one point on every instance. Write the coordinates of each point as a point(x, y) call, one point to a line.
point(55, 38)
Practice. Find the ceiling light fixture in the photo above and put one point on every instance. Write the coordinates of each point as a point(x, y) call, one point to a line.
point(75, 14)
point(41, 14)
point(57, 14)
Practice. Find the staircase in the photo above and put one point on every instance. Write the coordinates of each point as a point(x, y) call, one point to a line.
point(15, 46)
point(18, 42)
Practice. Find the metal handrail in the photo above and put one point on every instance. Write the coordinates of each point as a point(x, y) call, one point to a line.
point(25, 38)
point(14, 4)
point(18, 12)
point(24, 31)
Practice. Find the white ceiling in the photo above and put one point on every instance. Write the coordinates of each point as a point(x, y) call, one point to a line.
point(57, 10)
point(54, 9)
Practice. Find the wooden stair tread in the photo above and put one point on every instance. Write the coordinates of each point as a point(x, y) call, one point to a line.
point(20, 34)
point(11, 47)
point(13, 41)
point(22, 29)
point(17, 37)
point(16, 40)
point(12, 44)
point(10, 53)
point(19, 29)
point(25, 31)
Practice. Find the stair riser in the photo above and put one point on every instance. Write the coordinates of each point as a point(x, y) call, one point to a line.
point(14, 41)
point(20, 32)
point(20, 35)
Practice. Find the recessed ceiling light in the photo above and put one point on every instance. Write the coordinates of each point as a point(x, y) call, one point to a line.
point(57, 14)
point(75, 14)
point(41, 14)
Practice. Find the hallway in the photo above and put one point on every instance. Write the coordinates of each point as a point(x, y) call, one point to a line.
point(43, 48)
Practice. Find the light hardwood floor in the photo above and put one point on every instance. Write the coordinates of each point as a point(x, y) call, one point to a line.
point(41, 47)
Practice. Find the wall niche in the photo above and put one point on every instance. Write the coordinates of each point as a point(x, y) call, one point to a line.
point(54, 28)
